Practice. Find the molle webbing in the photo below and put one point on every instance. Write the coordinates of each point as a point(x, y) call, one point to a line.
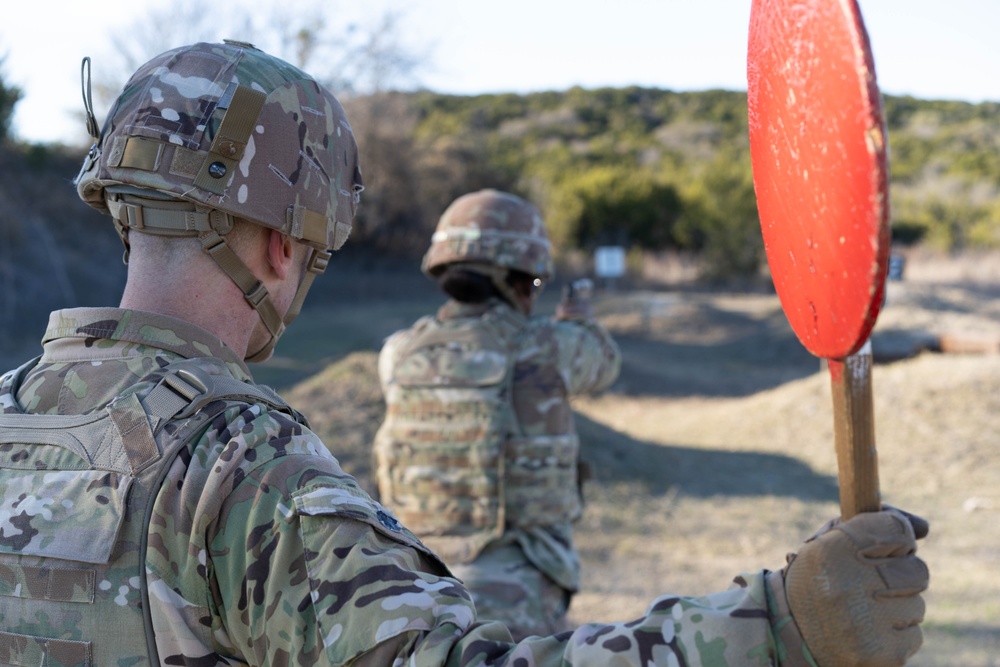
point(453, 461)
point(433, 411)
point(440, 462)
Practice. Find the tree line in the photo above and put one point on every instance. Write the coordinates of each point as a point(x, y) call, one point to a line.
point(651, 169)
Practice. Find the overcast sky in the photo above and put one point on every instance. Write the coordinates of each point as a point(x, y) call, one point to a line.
point(933, 49)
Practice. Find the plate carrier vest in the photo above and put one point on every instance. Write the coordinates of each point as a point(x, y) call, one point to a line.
point(97, 476)
point(452, 460)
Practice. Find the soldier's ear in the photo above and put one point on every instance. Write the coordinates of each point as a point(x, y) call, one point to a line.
point(280, 253)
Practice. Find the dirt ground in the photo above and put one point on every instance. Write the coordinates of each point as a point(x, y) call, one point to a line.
point(714, 449)
point(732, 455)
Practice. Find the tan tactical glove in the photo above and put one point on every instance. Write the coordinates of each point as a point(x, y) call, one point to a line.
point(575, 303)
point(854, 589)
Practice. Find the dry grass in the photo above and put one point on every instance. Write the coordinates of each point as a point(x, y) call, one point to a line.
point(744, 479)
point(707, 486)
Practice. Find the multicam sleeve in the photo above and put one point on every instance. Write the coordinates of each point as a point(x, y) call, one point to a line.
point(589, 358)
point(727, 629)
point(310, 570)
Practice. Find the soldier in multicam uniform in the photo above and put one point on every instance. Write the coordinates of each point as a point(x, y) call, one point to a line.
point(478, 454)
point(158, 507)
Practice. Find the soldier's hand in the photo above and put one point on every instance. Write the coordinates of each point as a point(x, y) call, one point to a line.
point(575, 303)
point(854, 588)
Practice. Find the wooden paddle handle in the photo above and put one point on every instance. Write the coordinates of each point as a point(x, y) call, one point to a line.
point(854, 433)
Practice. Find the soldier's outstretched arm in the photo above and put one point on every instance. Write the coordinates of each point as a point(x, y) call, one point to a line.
point(321, 573)
point(588, 357)
point(851, 597)
point(330, 578)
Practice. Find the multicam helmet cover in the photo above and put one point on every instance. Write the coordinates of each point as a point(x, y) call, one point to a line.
point(491, 227)
point(237, 130)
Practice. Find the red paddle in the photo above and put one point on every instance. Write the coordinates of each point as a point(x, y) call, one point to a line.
point(820, 170)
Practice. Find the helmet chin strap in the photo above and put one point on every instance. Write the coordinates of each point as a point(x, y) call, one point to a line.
point(174, 218)
point(318, 261)
point(256, 293)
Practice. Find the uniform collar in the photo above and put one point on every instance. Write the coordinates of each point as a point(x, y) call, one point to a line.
point(81, 334)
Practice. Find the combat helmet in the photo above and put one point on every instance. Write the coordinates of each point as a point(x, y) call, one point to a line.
point(203, 134)
point(493, 228)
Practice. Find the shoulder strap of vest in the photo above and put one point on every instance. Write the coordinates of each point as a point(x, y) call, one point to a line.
point(184, 390)
point(510, 327)
point(187, 388)
point(9, 382)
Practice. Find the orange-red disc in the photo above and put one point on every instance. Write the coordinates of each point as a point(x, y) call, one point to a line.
point(819, 155)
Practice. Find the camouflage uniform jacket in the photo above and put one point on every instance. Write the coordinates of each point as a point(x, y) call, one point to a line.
point(552, 361)
point(263, 551)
